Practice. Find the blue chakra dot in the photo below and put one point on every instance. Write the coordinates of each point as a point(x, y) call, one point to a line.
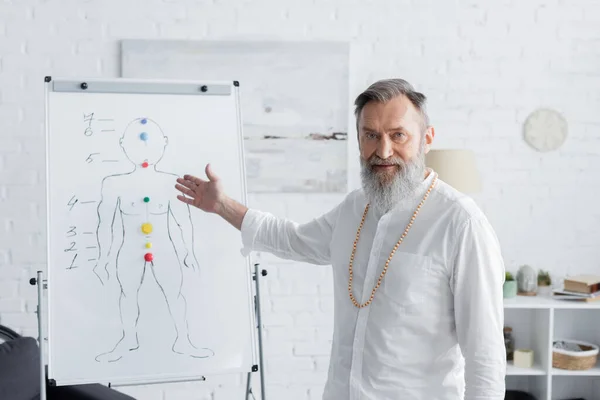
point(144, 136)
point(144, 120)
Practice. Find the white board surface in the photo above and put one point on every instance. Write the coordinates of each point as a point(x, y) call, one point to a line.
point(122, 319)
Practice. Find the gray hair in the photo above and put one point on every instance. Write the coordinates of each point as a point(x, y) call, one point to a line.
point(387, 89)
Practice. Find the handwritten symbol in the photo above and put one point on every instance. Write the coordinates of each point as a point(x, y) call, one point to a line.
point(88, 118)
point(72, 202)
point(71, 248)
point(90, 158)
point(72, 263)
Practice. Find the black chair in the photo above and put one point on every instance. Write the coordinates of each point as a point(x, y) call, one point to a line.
point(518, 395)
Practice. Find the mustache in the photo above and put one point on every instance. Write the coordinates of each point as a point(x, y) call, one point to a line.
point(380, 161)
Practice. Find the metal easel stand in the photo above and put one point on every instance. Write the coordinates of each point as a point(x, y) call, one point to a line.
point(257, 368)
point(41, 285)
point(42, 343)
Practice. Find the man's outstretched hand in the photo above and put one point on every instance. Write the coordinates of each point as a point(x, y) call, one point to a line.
point(205, 195)
point(208, 196)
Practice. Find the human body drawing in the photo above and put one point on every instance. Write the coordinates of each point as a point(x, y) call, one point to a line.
point(156, 236)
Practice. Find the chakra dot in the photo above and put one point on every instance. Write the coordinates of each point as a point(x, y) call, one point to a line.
point(148, 257)
point(148, 245)
point(147, 228)
point(143, 121)
point(146, 199)
point(144, 136)
point(145, 164)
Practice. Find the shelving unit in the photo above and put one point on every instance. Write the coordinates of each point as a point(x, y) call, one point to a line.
point(536, 322)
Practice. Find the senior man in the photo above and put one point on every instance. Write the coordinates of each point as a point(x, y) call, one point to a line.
point(417, 268)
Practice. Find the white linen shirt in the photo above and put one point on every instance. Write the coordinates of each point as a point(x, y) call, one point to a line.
point(434, 330)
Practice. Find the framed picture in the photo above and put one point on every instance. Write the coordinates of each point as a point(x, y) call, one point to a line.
point(295, 103)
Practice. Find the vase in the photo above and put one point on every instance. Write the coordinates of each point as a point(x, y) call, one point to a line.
point(509, 289)
point(544, 290)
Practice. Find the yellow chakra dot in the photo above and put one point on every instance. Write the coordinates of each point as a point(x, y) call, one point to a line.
point(148, 245)
point(147, 228)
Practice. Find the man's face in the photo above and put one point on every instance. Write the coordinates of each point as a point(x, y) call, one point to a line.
point(393, 141)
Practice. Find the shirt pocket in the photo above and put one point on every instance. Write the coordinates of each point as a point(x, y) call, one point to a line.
point(410, 279)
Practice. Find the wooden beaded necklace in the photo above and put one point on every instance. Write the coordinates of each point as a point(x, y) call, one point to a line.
point(385, 268)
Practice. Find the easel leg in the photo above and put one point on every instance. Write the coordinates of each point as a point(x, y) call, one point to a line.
point(39, 281)
point(261, 369)
point(259, 320)
point(249, 386)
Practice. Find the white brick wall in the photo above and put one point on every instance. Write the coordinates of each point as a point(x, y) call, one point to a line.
point(484, 65)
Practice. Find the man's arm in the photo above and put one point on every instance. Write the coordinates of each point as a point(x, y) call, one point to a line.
point(232, 212)
point(478, 277)
point(283, 238)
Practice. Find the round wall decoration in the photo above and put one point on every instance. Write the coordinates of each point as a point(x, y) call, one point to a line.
point(545, 130)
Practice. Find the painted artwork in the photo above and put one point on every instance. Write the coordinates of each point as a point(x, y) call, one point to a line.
point(294, 100)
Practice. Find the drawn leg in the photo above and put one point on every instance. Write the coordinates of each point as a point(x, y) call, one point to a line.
point(170, 280)
point(130, 279)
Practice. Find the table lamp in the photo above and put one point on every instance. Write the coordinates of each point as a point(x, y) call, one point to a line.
point(455, 167)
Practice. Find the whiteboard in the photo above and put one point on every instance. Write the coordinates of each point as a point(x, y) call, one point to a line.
point(141, 287)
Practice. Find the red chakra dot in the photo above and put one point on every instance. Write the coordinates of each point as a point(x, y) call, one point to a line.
point(148, 257)
point(145, 164)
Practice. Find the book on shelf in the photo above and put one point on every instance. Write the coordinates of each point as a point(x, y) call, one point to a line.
point(587, 284)
point(563, 294)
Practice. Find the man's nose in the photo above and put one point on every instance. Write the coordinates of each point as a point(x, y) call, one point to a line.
point(384, 148)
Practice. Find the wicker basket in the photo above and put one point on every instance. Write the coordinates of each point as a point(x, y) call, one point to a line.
point(575, 360)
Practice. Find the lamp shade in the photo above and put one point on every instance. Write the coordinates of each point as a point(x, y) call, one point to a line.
point(455, 167)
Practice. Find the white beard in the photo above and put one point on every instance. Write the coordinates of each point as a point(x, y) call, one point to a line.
point(385, 191)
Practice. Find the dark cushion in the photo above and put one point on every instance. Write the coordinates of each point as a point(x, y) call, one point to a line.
point(19, 369)
point(518, 395)
point(20, 377)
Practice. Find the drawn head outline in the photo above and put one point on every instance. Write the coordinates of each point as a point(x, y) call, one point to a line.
point(143, 141)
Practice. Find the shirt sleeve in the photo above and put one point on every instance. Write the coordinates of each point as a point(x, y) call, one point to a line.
point(479, 310)
point(308, 242)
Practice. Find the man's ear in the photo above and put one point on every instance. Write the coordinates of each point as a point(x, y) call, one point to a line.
point(429, 135)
